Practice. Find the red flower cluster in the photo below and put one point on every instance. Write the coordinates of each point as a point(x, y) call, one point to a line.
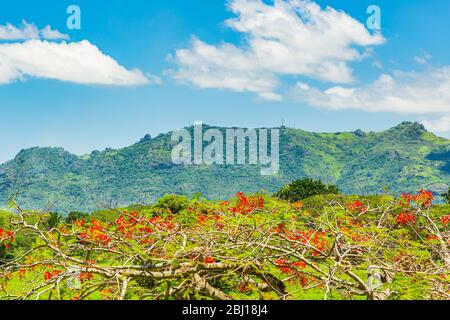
point(316, 239)
point(243, 287)
point(80, 223)
point(354, 234)
point(22, 272)
point(445, 220)
point(203, 218)
point(312, 237)
point(288, 267)
point(297, 205)
point(162, 224)
point(357, 206)
point(86, 276)
point(407, 198)
point(423, 199)
point(279, 229)
point(209, 260)
point(304, 280)
point(133, 224)
point(49, 275)
point(247, 204)
point(96, 232)
point(406, 218)
point(7, 237)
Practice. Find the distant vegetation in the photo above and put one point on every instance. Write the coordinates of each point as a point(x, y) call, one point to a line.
point(401, 159)
point(305, 188)
point(446, 196)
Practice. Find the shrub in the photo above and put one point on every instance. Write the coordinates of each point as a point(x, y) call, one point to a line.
point(4, 218)
point(447, 196)
point(75, 215)
point(54, 220)
point(305, 188)
point(172, 203)
point(105, 215)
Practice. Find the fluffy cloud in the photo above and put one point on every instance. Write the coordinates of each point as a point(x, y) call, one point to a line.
point(77, 62)
point(438, 125)
point(29, 31)
point(402, 92)
point(290, 37)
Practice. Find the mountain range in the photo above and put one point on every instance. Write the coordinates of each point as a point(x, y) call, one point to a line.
point(405, 158)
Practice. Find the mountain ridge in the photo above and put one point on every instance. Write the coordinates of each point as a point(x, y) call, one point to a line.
point(148, 137)
point(403, 158)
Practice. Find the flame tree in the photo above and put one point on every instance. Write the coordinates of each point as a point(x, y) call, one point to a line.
point(253, 247)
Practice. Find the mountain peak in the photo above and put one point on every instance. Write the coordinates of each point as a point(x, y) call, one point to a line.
point(147, 137)
point(410, 126)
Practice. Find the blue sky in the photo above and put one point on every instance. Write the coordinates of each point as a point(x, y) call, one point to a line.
point(160, 79)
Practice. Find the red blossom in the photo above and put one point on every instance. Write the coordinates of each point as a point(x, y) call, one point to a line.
point(6, 237)
point(406, 218)
point(247, 204)
point(445, 220)
point(95, 232)
point(315, 238)
point(22, 273)
point(357, 206)
point(407, 198)
point(209, 260)
point(86, 276)
point(288, 267)
point(297, 205)
point(49, 275)
point(80, 223)
point(243, 287)
point(424, 198)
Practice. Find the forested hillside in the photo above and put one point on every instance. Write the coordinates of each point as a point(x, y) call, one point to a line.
point(402, 159)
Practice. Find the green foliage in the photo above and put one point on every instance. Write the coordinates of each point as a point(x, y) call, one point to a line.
point(54, 220)
point(105, 215)
point(4, 218)
point(305, 188)
point(172, 203)
point(75, 215)
point(446, 196)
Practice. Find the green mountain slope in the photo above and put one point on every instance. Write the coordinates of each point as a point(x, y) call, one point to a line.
point(404, 158)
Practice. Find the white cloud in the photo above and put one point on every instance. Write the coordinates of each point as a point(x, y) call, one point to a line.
point(402, 92)
point(77, 62)
point(290, 37)
point(48, 34)
point(377, 64)
point(29, 31)
point(438, 125)
point(423, 59)
point(270, 96)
